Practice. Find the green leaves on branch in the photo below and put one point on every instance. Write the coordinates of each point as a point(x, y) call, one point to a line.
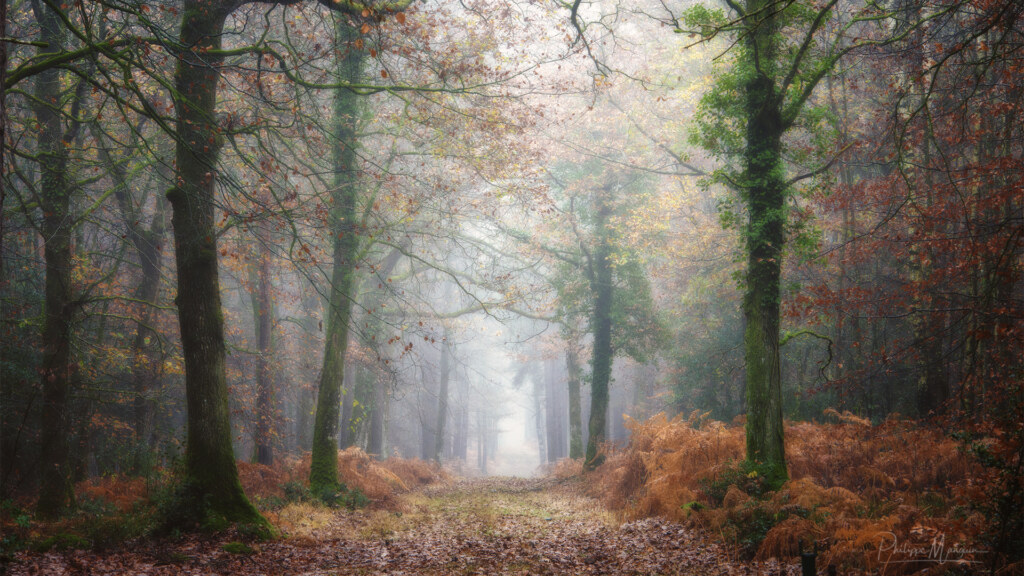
point(703, 21)
point(601, 202)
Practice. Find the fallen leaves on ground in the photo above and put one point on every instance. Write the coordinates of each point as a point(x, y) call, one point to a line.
point(488, 526)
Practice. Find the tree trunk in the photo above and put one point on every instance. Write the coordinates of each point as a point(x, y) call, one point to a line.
point(930, 331)
point(554, 412)
point(3, 132)
point(540, 424)
point(55, 492)
point(143, 350)
point(303, 422)
point(345, 436)
point(426, 407)
point(323, 473)
point(765, 237)
point(461, 441)
point(211, 477)
point(482, 426)
point(373, 393)
point(572, 365)
point(442, 398)
point(361, 405)
point(375, 437)
point(263, 322)
point(462, 444)
point(602, 327)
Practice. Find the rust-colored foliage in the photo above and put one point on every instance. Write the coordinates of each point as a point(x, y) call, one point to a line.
point(565, 468)
point(661, 469)
point(358, 470)
point(121, 492)
point(415, 472)
point(380, 481)
point(261, 481)
point(852, 484)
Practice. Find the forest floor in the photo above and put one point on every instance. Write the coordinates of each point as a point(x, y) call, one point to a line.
point(484, 526)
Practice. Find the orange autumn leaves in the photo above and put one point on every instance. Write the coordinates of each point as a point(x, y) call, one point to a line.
point(366, 28)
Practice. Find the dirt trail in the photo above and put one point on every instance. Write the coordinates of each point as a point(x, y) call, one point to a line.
point(487, 526)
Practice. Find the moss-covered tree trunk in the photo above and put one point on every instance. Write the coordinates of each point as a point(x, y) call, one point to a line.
point(603, 288)
point(55, 493)
point(323, 473)
point(3, 137)
point(347, 425)
point(765, 195)
point(211, 478)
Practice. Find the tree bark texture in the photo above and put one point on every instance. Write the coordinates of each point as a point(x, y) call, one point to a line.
point(55, 491)
point(602, 327)
point(765, 196)
point(343, 225)
point(211, 476)
point(263, 312)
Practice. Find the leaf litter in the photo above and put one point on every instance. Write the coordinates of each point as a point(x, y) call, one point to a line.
point(501, 526)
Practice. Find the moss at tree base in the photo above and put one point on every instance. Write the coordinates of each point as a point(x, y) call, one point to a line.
point(189, 508)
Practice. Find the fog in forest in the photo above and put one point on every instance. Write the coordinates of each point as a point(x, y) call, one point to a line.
point(504, 238)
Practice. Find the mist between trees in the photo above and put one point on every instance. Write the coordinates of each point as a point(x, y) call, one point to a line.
point(481, 233)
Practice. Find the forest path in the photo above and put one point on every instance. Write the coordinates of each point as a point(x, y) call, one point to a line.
point(485, 526)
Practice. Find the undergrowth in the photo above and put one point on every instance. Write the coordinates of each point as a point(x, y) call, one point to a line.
point(853, 488)
point(365, 481)
point(110, 512)
point(114, 510)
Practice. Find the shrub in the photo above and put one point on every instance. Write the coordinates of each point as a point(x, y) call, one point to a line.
point(341, 496)
point(742, 475)
point(120, 492)
point(850, 482)
point(14, 528)
point(364, 480)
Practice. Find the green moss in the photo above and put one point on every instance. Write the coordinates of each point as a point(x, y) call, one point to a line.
point(691, 506)
point(185, 507)
point(212, 521)
point(238, 548)
point(256, 531)
point(62, 541)
point(323, 470)
point(175, 195)
point(323, 474)
point(752, 478)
